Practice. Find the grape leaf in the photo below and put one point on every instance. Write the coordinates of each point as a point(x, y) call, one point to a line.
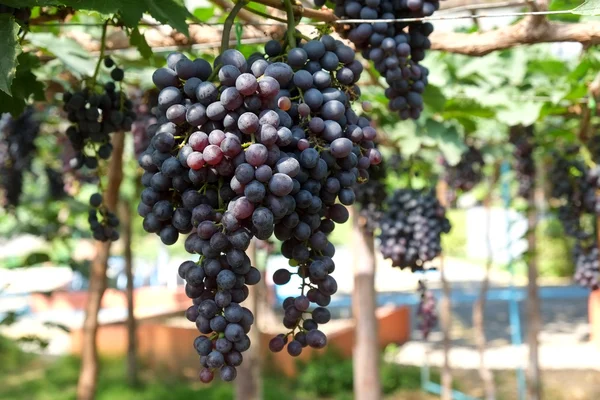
point(203, 14)
point(170, 12)
point(68, 51)
point(31, 3)
point(590, 7)
point(520, 112)
point(139, 41)
point(448, 140)
point(434, 99)
point(9, 42)
point(24, 86)
point(556, 5)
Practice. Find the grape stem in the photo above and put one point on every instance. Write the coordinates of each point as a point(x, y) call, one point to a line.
point(291, 21)
point(102, 49)
point(229, 24)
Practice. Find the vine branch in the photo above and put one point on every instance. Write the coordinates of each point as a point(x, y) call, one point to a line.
point(229, 23)
point(291, 21)
point(102, 49)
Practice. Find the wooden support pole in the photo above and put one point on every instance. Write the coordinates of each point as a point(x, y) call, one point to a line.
point(366, 357)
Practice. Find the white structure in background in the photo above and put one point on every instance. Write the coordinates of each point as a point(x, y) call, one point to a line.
point(505, 241)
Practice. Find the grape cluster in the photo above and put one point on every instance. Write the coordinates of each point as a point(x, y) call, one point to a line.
point(587, 266)
point(56, 184)
point(574, 186)
point(396, 49)
point(426, 310)
point(266, 149)
point(94, 117)
point(17, 148)
point(371, 196)
point(145, 106)
point(465, 175)
point(102, 221)
point(523, 140)
point(411, 228)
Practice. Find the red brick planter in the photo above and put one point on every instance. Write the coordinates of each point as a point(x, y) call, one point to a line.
point(170, 347)
point(144, 298)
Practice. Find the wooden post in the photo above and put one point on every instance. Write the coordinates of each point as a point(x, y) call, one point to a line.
point(533, 305)
point(125, 217)
point(446, 309)
point(249, 382)
point(367, 385)
point(479, 307)
point(88, 376)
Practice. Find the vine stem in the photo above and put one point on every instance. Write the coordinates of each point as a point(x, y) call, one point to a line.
point(229, 23)
point(291, 21)
point(102, 49)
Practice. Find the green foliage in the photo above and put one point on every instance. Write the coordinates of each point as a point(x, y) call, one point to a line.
point(554, 249)
point(326, 375)
point(589, 7)
point(9, 30)
point(455, 242)
point(172, 12)
point(24, 86)
point(139, 41)
point(330, 375)
point(11, 356)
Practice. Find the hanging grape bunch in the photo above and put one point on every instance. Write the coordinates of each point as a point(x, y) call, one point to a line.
point(587, 266)
point(523, 140)
point(395, 48)
point(465, 175)
point(371, 196)
point(249, 149)
point(17, 148)
point(145, 106)
point(426, 310)
point(411, 228)
point(574, 186)
point(94, 116)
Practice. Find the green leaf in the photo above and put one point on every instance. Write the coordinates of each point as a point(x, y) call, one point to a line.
point(24, 86)
point(35, 259)
point(139, 41)
point(68, 51)
point(11, 48)
point(434, 99)
point(30, 3)
point(520, 113)
point(590, 7)
point(557, 5)
point(204, 13)
point(132, 12)
point(447, 139)
point(170, 12)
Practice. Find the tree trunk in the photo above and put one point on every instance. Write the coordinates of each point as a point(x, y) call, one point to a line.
point(248, 384)
point(132, 376)
point(533, 305)
point(367, 385)
point(478, 308)
point(446, 309)
point(88, 376)
point(446, 322)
